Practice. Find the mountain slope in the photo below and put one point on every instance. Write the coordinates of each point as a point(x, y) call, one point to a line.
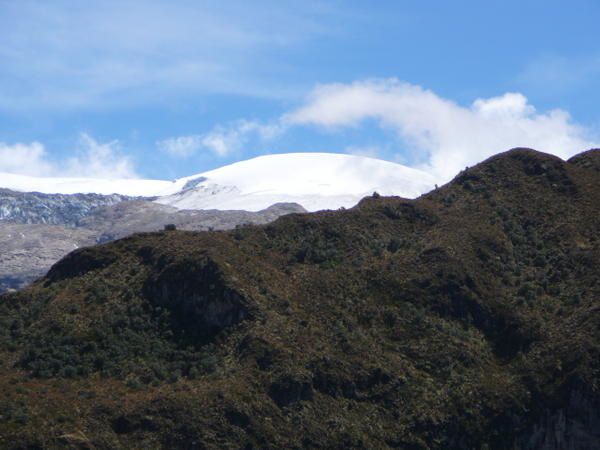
point(314, 180)
point(468, 318)
point(30, 244)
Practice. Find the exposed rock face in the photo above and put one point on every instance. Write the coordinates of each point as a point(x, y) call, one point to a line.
point(51, 209)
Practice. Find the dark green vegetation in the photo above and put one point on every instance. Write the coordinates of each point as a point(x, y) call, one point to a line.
point(469, 318)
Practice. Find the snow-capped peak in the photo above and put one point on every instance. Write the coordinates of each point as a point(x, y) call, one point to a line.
point(314, 180)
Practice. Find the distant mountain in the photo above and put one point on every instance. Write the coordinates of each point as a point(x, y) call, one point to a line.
point(314, 180)
point(468, 318)
point(254, 191)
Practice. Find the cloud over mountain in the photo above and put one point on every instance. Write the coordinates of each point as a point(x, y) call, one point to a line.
point(440, 135)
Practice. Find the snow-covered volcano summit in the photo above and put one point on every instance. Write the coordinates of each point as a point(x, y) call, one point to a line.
point(314, 180)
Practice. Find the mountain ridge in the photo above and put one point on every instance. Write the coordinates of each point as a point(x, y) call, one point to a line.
point(467, 318)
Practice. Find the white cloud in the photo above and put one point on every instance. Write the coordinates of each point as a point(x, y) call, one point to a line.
point(432, 133)
point(442, 136)
point(226, 140)
point(99, 160)
point(92, 159)
point(182, 146)
point(222, 143)
point(26, 159)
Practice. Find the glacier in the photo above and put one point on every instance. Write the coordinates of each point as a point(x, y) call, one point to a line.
point(316, 181)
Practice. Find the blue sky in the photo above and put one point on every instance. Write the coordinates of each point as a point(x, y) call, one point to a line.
point(165, 89)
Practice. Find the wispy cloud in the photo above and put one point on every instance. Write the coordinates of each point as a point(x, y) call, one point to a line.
point(181, 146)
point(65, 55)
point(222, 140)
point(25, 159)
point(98, 160)
point(91, 159)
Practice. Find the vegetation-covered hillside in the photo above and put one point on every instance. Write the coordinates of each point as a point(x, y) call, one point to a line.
point(466, 319)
